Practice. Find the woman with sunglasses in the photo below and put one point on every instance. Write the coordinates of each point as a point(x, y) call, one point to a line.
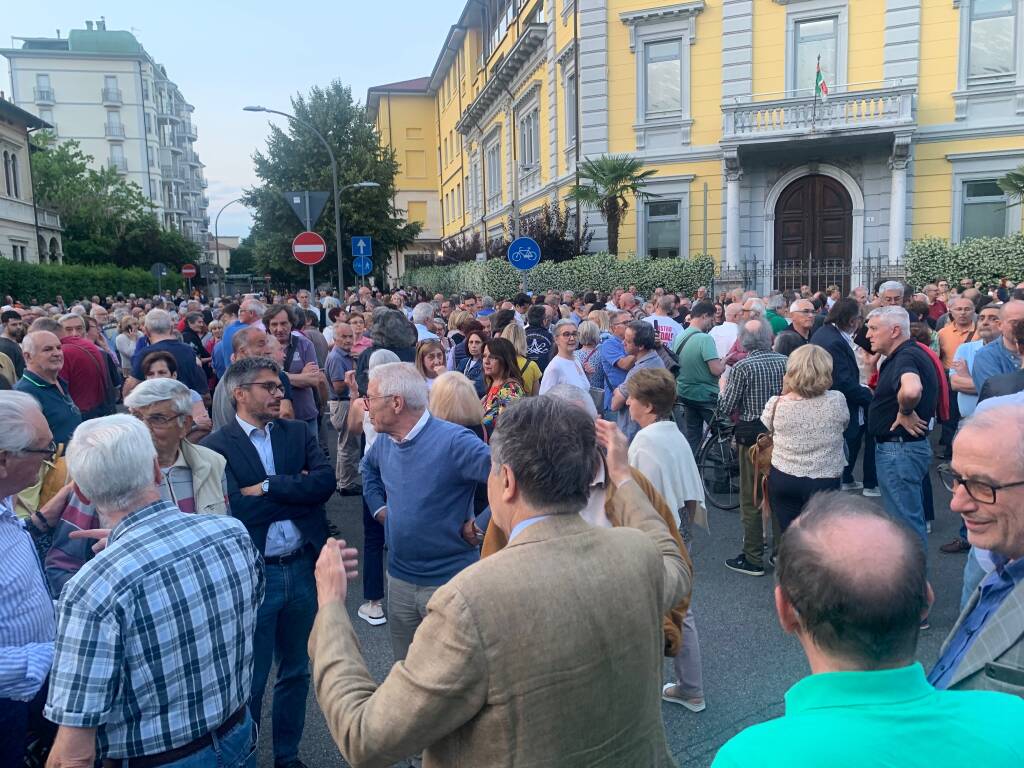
point(564, 368)
point(503, 379)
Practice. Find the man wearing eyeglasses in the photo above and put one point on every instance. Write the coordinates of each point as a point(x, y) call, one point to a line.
point(27, 625)
point(614, 358)
point(801, 318)
point(985, 649)
point(278, 481)
point(250, 315)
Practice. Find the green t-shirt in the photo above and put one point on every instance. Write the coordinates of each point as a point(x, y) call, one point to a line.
point(777, 322)
point(887, 717)
point(694, 381)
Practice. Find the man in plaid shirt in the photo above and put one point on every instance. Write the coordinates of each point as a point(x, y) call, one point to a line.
point(155, 634)
point(752, 382)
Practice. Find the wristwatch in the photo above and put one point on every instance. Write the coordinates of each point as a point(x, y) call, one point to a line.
point(265, 487)
point(906, 413)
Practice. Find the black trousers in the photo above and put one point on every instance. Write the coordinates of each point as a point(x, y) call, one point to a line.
point(788, 494)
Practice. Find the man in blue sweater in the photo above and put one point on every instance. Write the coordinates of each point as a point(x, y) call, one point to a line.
point(419, 479)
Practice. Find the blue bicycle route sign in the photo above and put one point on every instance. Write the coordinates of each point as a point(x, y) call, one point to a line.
point(524, 253)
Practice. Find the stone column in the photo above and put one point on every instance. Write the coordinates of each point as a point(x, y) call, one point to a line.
point(733, 173)
point(898, 197)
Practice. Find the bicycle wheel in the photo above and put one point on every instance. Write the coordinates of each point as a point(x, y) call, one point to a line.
point(719, 463)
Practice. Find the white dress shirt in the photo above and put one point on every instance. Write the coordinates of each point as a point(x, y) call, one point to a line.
point(283, 536)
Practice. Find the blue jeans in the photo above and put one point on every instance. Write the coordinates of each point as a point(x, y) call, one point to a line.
point(283, 625)
point(237, 749)
point(901, 469)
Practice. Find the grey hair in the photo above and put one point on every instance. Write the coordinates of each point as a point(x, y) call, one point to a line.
point(158, 390)
point(404, 381)
point(570, 393)
point(891, 285)
point(777, 302)
point(794, 308)
point(382, 357)
point(759, 339)
point(590, 333)
point(28, 344)
point(256, 306)
point(488, 302)
point(756, 307)
point(158, 321)
point(550, 448)
point(422, 312)
point(561, 324)
point(111, 460)
point(16, 432)
point(893, 316)
point(45, 324)
point(70, 316)
point(245, 371)
point(999, 419)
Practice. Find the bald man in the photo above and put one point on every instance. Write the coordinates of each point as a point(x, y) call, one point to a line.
point(852, 590)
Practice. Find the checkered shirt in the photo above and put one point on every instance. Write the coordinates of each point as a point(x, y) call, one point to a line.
point(155, 634)
point(752, 381)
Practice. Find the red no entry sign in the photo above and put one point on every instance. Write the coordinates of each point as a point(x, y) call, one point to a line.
point(309, 248)
point(188, 270)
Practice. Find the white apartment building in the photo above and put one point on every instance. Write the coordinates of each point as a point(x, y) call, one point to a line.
point(101, 88)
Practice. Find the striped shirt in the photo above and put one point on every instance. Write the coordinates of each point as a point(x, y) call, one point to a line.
point(155, 634)
point(752, 381)
point(27, 623)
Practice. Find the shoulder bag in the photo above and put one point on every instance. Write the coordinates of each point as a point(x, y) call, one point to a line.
point(761, 458)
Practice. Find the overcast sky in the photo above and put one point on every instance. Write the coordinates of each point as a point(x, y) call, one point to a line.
point(224, 54)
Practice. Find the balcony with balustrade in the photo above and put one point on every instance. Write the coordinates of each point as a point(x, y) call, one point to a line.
point(857, 109)
point(114, 131)
point(43, 96)
point(119, 164)
point(112, 97)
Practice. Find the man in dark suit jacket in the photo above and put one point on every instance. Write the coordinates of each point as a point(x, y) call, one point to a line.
point(835, 338)
point(278, 480)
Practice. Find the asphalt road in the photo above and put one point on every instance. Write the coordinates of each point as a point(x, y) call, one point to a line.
point(748, 661)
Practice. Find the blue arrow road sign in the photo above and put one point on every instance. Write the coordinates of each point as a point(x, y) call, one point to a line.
point(362, 245)
point(362, 266)
point(524, 253)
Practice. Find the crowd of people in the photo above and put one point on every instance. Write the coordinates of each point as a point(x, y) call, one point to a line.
point(529, 487)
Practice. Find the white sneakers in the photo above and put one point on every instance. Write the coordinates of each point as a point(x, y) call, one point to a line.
point(372, 613)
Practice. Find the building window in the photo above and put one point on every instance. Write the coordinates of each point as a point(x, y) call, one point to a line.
point(984, 210)
point(474, 187)
point(529, 140)
point(145, 90)
point(445, 144)
point(992, 38)
point(813, 38)
point(664, 230)
point(43, 91)
point(149, 122)
point(7, 174)
point(14, 175)
point(663, 75)
point(492, 169)
point(570, 109)
point(417, 211)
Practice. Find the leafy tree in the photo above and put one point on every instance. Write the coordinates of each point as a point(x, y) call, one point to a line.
point(554, 232)
point(608, 184)
point(243, 258)
point(1013, 184)
point(294, 159)
point(106, 219)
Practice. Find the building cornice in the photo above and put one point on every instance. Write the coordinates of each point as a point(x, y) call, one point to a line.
point(668, 13)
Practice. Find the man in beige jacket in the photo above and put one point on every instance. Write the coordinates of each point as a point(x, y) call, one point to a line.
point(547, 653)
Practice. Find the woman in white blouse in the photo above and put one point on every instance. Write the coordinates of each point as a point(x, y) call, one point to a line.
point(661, 452)
point(808, 421)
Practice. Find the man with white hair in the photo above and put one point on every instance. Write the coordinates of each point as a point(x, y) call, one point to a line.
point(85, 369)
point(901, 415)
point(422, 314)
point(27, 625)
point(726, 333)
point(192, 477)
point(801, 315)
point(420, 484)
point(985, 649)
point(160, 332)
point(162, 620)
point(250, 315)
point(44, 360)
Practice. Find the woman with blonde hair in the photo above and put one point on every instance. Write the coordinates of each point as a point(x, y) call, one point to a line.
point(529, 370)
point(430, 360)
point(588, 354)
point(807, 422)
point(453, 398)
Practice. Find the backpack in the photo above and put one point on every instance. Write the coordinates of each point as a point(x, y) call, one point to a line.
point(669, 358)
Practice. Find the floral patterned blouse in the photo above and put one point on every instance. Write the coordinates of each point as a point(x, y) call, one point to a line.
point(497, 399)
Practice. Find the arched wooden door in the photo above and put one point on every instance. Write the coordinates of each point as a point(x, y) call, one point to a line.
point(813, 235)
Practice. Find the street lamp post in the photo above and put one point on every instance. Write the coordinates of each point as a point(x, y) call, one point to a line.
point(334, 180)
point(216, 226)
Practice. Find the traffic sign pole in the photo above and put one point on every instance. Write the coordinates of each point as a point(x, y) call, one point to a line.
point(309, 227)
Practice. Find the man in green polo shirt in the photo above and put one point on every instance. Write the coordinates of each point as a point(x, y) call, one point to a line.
point(852, 589)
point(699, 369)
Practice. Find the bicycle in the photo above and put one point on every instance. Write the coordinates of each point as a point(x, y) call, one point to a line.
point(718, 461)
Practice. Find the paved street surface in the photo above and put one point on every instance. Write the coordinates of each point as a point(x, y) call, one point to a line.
point(748, 662)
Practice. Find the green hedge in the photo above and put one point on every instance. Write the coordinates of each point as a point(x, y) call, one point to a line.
point(985, 259)
point(38, 283)
point(602, 272)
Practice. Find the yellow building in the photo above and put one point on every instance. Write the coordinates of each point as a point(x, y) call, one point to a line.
point(924, 111)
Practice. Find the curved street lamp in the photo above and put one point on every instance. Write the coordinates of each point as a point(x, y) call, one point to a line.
point(334, 179)
point(216, 224)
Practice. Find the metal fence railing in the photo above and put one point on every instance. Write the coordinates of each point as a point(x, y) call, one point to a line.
point(754, 274)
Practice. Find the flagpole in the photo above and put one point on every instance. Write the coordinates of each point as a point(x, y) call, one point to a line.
point(814, 103)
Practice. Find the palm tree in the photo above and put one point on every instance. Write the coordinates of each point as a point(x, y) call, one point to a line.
point(608, 183)
point(1013, 184)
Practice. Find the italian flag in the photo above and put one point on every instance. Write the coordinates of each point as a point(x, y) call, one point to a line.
point(820, 86)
